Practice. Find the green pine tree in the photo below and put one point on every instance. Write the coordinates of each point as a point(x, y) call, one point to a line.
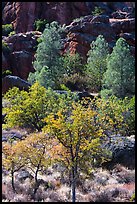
point(119, 78)
point(96, 62)
point(48, 59)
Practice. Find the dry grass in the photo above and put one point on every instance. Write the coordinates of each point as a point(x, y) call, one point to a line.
point(104, 186)
point(116, 185)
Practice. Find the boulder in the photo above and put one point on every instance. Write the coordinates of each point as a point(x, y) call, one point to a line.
point(5, 63)
point(122, 25)
point(129, 37)
point(11, 81)
point(126, 12)
point(12, 134)
point(21, 55)
point(123, 151)
point(23, 174)
point(22, 63)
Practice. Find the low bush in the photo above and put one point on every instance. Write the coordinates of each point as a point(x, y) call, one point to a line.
point(75, 82)
point(40, 24)
point(12, 33)
point(97, 11)
point(5, 47)
point(6, 29)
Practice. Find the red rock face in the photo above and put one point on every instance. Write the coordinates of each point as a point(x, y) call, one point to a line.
point(22, 50)
point(23, 14)
point(83, 32)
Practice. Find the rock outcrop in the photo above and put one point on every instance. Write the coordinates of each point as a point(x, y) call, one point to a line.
point(12, 134)
point(22, 48)
point(83, 32)
point(22, 15)
point(123, 151)
point(11, 81)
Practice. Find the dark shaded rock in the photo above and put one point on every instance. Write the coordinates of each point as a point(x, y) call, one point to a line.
point(5, 62)
point(125, 12)
point(123, 151)
point(12, 134)
point(123, 25)
point(22, 49)
point(129, 37)
point(23, 174)
point(11, 81)
point(22, 63)
point(100, 18)
point(3, 118)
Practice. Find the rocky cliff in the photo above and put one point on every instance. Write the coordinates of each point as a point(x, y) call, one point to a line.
point(117, 19)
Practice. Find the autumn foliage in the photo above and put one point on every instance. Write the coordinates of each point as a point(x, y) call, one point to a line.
point(69, 133)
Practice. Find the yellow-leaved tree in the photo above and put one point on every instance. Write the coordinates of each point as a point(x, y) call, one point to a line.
point(32, 153)
point(13, 158)
point(78, 140)
point(37, 155)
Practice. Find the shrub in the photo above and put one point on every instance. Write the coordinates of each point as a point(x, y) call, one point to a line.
point(78, 19)
point(132, 199)
point(6, 72)
point(40, 24)
point(120, 111)
point(12, 33)
point(75, 82)
point(72, 63)
point(97, 11)
point(129, 115)
point(6, 29)
point(5, 47)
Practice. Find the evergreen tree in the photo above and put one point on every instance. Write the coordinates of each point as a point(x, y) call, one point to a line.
point(96, 62)
point(119, 78)
point(48, 59)
point(72, 63)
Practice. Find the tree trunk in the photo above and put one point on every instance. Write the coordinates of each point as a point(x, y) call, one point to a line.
point(36, 185)
point(73, 183)
point(12, 180)
point(100, 79)
point(36, 181)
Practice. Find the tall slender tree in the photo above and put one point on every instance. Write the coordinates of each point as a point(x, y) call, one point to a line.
point(119, 78)
point(96, 62)
point(48, 59)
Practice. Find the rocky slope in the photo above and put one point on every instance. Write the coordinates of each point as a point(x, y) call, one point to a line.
point(116, 20)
